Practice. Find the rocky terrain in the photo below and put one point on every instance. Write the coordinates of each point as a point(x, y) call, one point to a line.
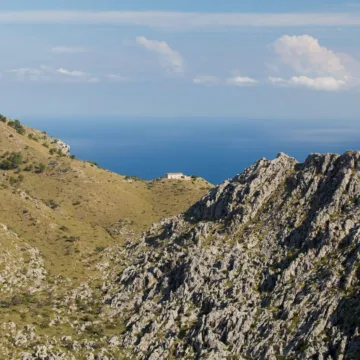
point(264, 266)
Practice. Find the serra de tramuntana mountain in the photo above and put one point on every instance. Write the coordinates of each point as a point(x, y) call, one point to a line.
point(264, 266)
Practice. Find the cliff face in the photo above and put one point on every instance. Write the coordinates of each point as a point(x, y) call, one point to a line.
point(265, 266)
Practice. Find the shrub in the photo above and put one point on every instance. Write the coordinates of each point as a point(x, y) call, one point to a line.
point(16, 180)
point(15, 124)
point(3, 118)
point(31, 136)
point(93, 163)
point(52, 204)
point(40, 168)
point(29, 167)
point(13, 161)
point(12, 180)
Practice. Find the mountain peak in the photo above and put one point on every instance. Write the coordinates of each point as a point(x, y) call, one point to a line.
point(264, 266)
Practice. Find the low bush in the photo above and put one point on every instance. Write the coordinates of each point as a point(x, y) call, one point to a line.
point(15, 124)
point(12, 161)
point(40, 168)
point(31, 136)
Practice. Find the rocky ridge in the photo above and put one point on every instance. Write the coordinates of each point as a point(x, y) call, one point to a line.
point(265, 266)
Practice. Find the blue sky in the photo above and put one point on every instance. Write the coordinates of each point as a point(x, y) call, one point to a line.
point(249, 59)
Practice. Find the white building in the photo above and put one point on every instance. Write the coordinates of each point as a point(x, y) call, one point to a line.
point(177, 176)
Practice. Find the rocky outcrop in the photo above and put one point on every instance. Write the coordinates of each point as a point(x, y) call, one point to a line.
point(61, 145)
point(265, 266)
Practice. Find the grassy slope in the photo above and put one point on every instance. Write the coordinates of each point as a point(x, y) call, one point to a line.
point(66, 211)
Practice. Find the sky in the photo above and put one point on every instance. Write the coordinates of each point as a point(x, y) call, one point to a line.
point(281, 59)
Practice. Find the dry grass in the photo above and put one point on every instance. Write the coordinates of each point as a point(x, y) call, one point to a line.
point(66, 210)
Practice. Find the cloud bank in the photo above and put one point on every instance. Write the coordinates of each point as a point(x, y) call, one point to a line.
point(180, 20)
point(326, 83)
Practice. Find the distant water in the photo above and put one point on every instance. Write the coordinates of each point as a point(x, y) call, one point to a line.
point(215, 149)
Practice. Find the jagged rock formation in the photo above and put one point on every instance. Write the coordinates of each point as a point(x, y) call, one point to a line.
point(265, 266)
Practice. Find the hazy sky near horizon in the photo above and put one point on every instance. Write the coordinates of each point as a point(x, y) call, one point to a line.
point(249, 59)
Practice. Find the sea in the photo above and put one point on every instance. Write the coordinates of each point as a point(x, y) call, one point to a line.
point(213, 148)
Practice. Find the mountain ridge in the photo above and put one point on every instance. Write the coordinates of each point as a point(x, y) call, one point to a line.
point(236, 277)
point(264, 266)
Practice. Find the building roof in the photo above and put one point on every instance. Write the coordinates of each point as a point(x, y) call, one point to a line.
point(174, 173)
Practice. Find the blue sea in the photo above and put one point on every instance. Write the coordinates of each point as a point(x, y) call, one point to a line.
point(213, 148)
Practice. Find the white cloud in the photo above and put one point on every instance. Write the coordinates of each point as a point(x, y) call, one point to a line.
point(206, 80)
point(241, 81)
point(305, 55)
point(169, 58)
point(49, 74)
point(232, 81)
point(327, 83)
point(315, 66)
point(74, 73)
point(277, 80)
point(79, 75)
point(67, 50)
point(180, 20)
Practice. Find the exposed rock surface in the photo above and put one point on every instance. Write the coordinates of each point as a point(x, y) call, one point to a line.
point(65, 148)
point(266, 266)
